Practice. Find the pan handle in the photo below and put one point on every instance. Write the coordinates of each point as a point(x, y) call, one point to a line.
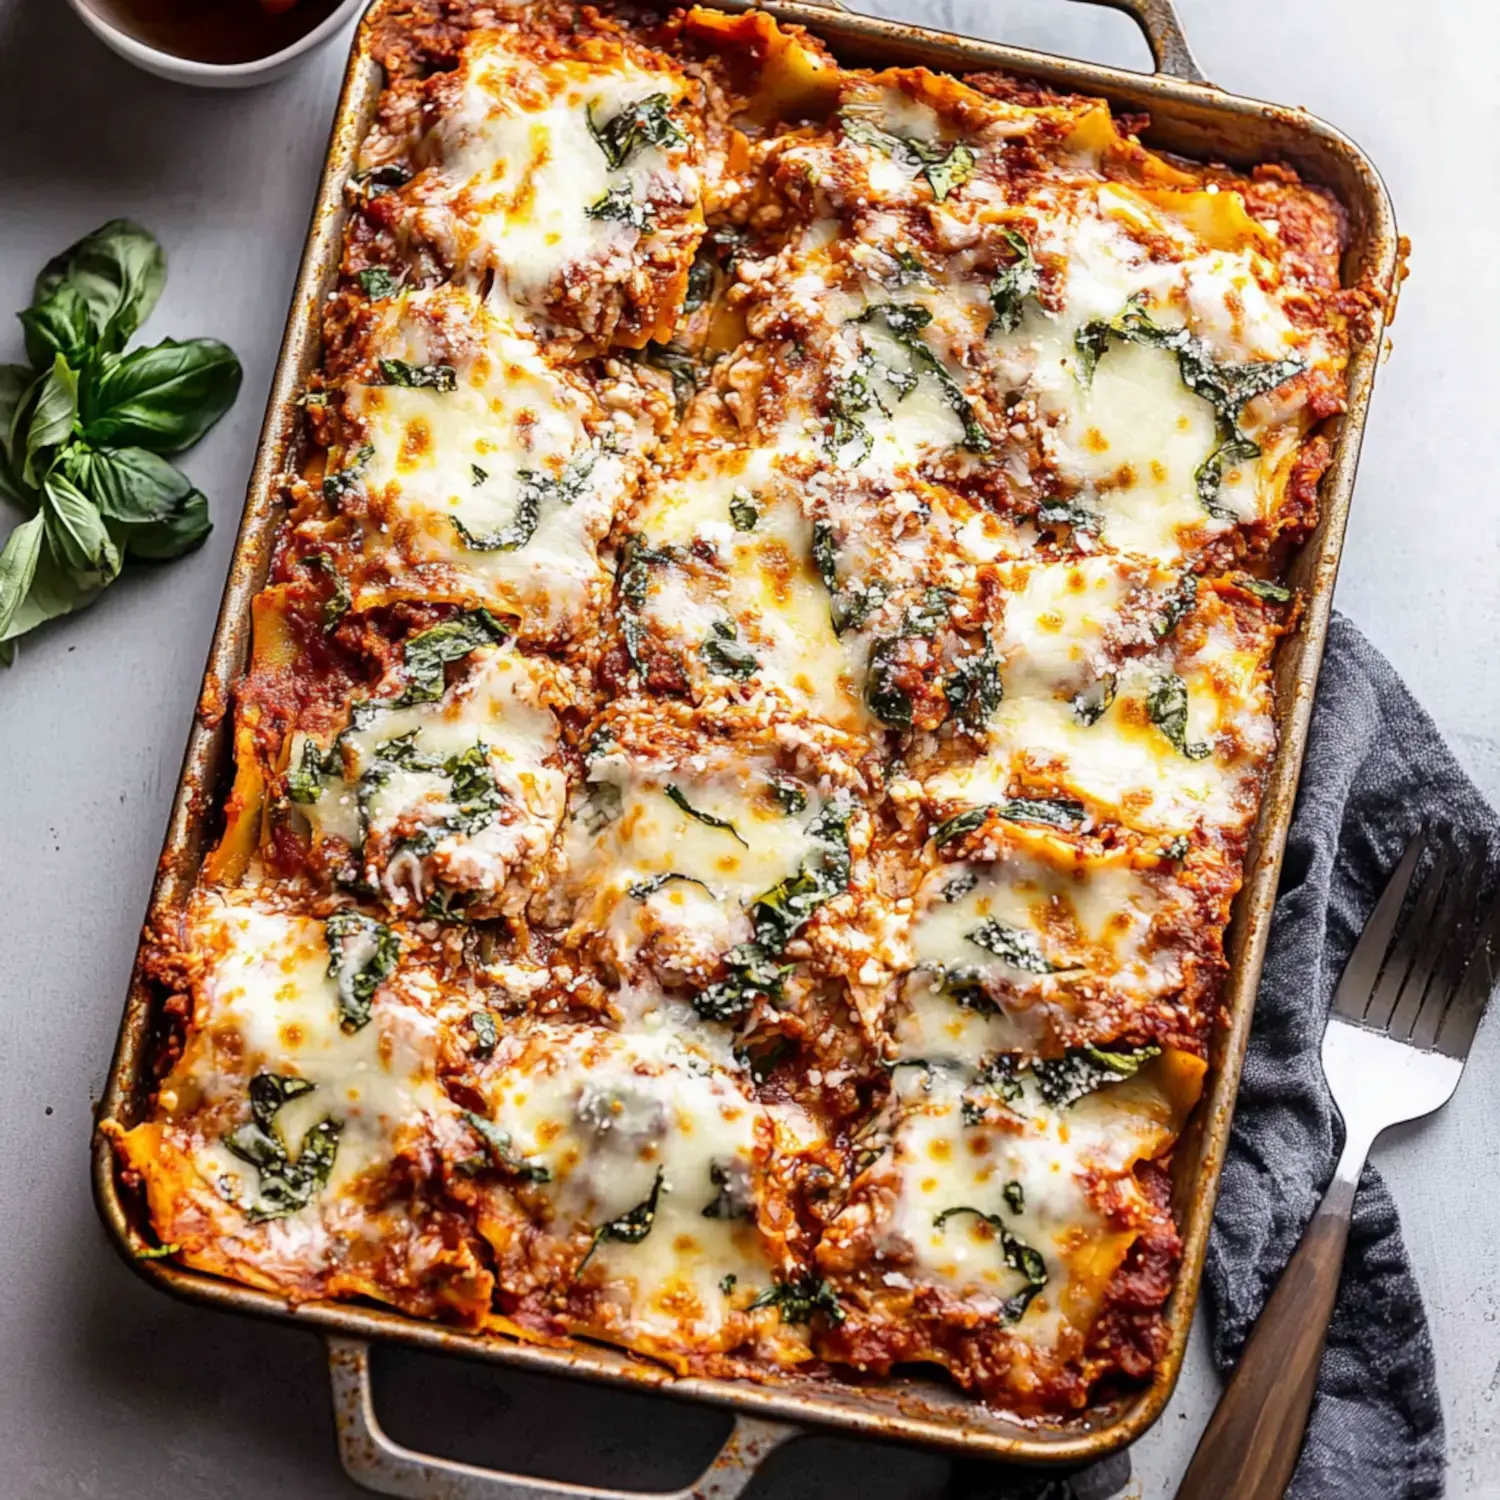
point(1158, 21)
point(376, 1461)
point(1162, 27)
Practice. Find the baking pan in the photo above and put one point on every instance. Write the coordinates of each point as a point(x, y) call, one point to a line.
point(1187, 116)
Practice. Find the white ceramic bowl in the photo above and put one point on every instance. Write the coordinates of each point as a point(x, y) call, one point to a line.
point(215, 75)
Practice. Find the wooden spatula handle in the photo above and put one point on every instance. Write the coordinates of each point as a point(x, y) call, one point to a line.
point(1251, 1443)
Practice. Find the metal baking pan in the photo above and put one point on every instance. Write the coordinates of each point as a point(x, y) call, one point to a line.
point(1187, 116)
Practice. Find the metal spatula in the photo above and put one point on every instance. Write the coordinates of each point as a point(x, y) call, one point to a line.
point(1404, 1017)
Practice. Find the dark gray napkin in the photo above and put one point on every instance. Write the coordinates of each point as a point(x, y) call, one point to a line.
point(1376, 767)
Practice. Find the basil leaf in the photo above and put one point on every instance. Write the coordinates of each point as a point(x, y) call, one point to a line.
point(1012, 945)
point(76, 530)
point(726, 654)
point(1175, 605)
point(425, 655)
point(750, 971)
point(731, 1201)
point(304, 781)
point(486, 1034)
point(621, 205)
point(362, 955)
point(269, 1091)
point(743, 511)
point(59, 324)
point(1016, 1253)
point(1067, 513)
point(49, 422)
point(677, 363)
point(131, 485)
point(645, 122)
point(55, 589)
point(537, 489)
point(418, 377)
point(798, 1299)
point(1013, 284)
point(1209, 476)
point(18, 564)
point(340, 599)
point(502, 1152)
point(163, 398)
point(630, 1228)
point(1264, 589)
point(1082, 1070)
point(16, 383)
point(346, 480)
point(118, 272)
point(973, 688)
point(955, 169)
point(377, 281)
point(1167, 705)
point(675, 795)
point(173, 536)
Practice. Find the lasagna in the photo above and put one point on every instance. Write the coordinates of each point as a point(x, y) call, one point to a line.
point(756, 713)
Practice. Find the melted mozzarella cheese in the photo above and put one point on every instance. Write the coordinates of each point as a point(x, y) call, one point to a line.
point(770, 591)
point(269, 987)
point(498, 707)
point(939, 1163)
point(609, 1115)
point(705, 913)
point(1089, 919)
point(521, 168)
point(445, 462)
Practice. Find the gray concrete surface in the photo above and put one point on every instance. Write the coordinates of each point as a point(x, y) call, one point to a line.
point(109, 1390)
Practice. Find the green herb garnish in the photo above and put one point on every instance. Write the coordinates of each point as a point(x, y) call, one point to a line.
point(285, 1185)
point(418, 377)
point(678, 798)
point(85, 426)
point(630, 1228)
point(1018, 1255)
point(645, 122)
point(362, 955)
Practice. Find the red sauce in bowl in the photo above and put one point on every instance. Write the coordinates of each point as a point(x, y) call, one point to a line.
point(215, 31)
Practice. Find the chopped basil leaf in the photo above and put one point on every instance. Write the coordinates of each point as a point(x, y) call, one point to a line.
point(1067, 513)
point(792, 795)
point(751, 971)
point(362, 955)
point(1263, 588)
point(418, 377)
point(1018, 1255)
point(339, 601)
point(800, 1298)
point(1012, 945)
point(285, 1185)
point(973, 688)
point(621, 205)
point(905, 321)
point(479, 475)
point(677, 363)
point(1015, 1198)
point(726, 654)
point(425, 655)
point(537, 489)
point(1093, 703)
point(1065, 1080)
point(727, 1285)
point(645, 888)
point(501, 1152)
point(1175, 605)
point(743, 510)
point(1209, 475)
point(945, 167)
point(304, 781)
point(630, 1228)
point(676, 796)
point(644, 122)
point(344, 481)
point(1057, 812)
point(486, 1033)
point(1167, 705)
point(1175, 847)
point(1013, 284)
point(781, 912)
point(377, 281)
point(995, 1082)
point(373, 182)
point(700, 284)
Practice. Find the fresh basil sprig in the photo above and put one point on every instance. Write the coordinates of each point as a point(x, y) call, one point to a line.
point(84, 427)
